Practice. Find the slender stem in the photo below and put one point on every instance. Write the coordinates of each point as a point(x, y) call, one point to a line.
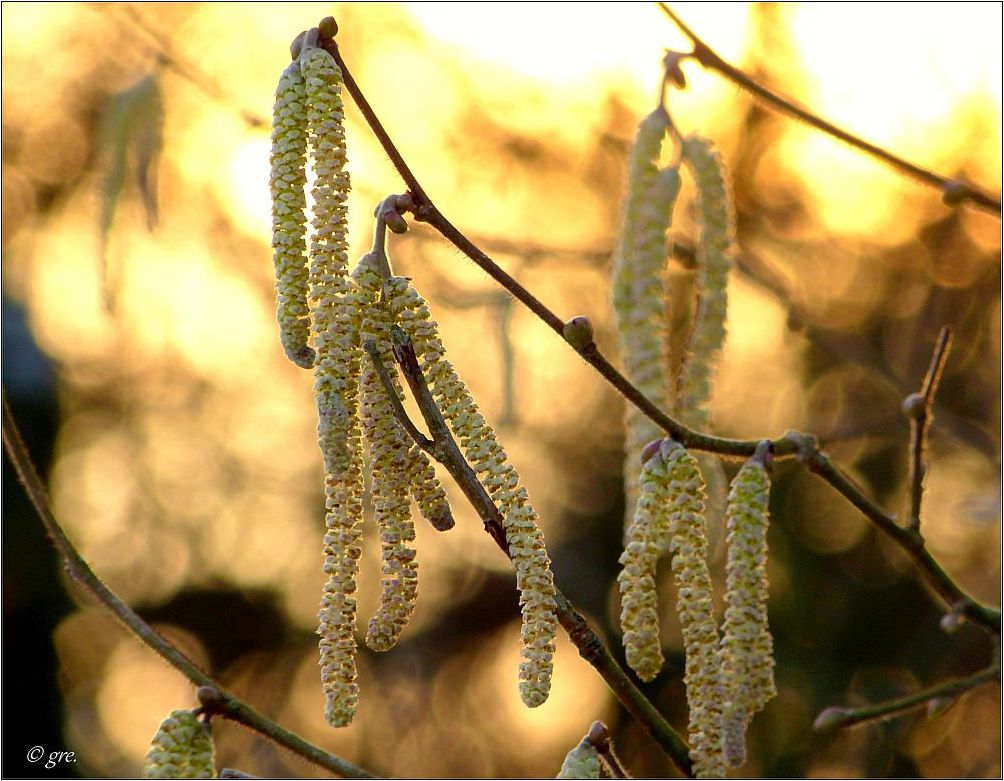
point(229, 706)
point(954, 191)
point(920, 409)
point(838, 717)
point(789, 445)
point(443, 447)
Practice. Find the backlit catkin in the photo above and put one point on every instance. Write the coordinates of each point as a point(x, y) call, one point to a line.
point(389, 455)
point(689, 548)
point(583, 761)
point(335, 307)
point(715, 256)
point(286, 183)
point(639, 280)
point(747, 652)
point(647, 540)
point(182, 748)
point(486, 456)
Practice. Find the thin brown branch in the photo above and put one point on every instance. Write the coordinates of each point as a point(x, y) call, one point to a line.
point(443, 447)
point(838, 717)
point(919, 407)
point(227, 705)
point(953, 191)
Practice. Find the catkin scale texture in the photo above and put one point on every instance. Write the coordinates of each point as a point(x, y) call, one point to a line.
point(583, 761)
point(287, 180)
point(694, 606)
point(747, 653)
point(389, 458)
point(182, 748)
point(639, 286)
point(715, 254)
point(486, 456)
point(335, 308)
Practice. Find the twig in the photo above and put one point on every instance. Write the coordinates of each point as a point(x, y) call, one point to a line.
point(919, 407)
point(444, 449)
point(228, 705)
point(953, 191)
point(838, 717)
point(818, 462)
point(787, 446)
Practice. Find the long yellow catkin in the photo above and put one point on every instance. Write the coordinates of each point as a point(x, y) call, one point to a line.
point(336, 318)
point(647, 540)
point(689, 548)
point(747, 649)
point(526, 542)
point(182, 748)
point(389, 457)
point(286, 183)
point(715, 254)
point(639, 294)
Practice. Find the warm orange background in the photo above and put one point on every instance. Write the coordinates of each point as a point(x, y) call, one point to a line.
point(186, 458)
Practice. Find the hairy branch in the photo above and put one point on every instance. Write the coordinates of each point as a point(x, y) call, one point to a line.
point(224, 703)
point(444, 449)
point(791, 444)
point(953, 191)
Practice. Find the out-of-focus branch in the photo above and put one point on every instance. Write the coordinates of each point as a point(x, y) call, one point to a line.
point(223, 703)
point(837, 717)
point(953, 191)
point(444, 449)
point(919, 407)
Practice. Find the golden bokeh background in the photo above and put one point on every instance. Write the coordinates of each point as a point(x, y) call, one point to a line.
point(185, 466)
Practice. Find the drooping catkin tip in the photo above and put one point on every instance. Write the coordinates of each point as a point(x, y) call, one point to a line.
point(583, 761)
point(181, 748)
point(832, 718)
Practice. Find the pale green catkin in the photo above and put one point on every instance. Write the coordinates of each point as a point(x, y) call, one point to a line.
point(747, 652)
point(481, 448)
point(336, 308)
point(647, 540)
point(389, 456)
point(716, 257)
point(694, 606)
point(639, 279)
point(182, 748)
point(583, 761)
point(289, 222)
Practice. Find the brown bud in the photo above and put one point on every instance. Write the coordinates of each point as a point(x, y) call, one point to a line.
point(915, 407)
point(297, 46)
point(650, 450)
point(955, 192)
point(328, 27)
point(578, 332)
point(210, 699)
point(832, 718)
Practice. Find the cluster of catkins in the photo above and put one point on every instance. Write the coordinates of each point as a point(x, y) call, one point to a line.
point(729, 673)
point(319, 301)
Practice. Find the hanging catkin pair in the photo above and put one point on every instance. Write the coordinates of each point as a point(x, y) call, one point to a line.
point(728, 679)
point(639, 287)
point(481, 448)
